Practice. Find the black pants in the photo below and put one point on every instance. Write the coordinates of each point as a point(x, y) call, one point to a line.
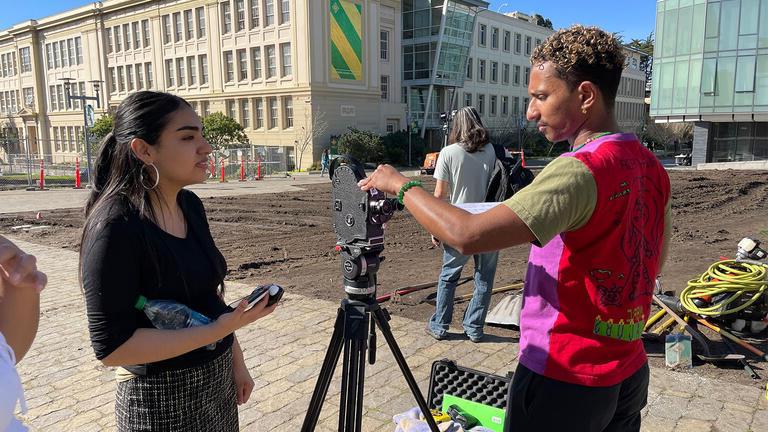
point(543, 404)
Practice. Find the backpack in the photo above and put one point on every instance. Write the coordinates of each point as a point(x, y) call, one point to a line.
point(507, 178)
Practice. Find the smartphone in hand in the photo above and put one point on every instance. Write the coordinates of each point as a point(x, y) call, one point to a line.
point(275, 293)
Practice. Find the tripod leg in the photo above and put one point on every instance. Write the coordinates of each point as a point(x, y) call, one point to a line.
point(383, 323)
point(326, 373)
point(353, 377)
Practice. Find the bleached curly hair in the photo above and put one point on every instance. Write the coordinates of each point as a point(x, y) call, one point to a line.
point(580, 54)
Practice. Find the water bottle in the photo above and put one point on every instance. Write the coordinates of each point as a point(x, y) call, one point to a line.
point(170, 315)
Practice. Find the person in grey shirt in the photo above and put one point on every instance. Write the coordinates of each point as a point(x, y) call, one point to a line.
point(462, 172)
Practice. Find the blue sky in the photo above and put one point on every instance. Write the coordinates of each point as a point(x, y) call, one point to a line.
point(633, 19)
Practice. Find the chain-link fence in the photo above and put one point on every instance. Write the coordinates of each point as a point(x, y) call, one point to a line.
point(19, 171)
point(249, 163)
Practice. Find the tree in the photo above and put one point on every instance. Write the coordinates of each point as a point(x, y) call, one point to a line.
point(99, 130)
point(365, 146)
point(221, 131)
point(543, 22)
point(308, 132)
point(662, 135)
point(646, 59)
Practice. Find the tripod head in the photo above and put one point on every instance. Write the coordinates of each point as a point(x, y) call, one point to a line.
point(358, 219)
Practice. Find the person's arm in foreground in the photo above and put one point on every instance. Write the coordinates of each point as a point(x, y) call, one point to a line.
point(243, 380)
point(20, 286)
point(441, 192)
point(495, 229)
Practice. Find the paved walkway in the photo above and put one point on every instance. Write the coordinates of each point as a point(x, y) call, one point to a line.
point(16, 201)
point(68, 390)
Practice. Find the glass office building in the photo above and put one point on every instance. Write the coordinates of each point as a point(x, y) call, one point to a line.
point(710, 67)
point(437, 37)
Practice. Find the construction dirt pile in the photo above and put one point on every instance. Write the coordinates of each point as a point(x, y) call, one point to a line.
point(288, 239)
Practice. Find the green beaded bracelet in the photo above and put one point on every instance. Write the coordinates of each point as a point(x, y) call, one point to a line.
point(405, 188)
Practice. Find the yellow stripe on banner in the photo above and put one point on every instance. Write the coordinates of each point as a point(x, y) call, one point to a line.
point(334, 74)
point(342, 44)
point(353, 15)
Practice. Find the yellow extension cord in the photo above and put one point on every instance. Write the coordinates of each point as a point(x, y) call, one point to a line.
point(726, 276)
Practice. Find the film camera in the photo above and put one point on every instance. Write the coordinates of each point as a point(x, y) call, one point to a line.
point(358, 219)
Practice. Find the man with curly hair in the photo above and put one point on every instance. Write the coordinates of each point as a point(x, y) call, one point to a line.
point(598, 218)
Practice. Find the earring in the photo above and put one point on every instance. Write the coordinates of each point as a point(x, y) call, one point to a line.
point(157, 176)
point(583, 110)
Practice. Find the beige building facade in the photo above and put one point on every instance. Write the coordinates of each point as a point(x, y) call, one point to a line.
point(269, 64)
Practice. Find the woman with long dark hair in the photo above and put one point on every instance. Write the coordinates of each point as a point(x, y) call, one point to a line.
point(462, 172)
point(145, 235)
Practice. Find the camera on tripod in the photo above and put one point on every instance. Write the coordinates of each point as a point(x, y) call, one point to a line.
point(445, 119)
point(358, 219)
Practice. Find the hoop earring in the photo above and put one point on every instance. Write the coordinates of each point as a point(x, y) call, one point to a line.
point(583, 110)
point(157, 176)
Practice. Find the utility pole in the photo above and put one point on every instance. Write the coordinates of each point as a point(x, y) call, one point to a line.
point(83, 98)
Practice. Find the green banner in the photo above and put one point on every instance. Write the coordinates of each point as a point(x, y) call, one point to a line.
point(346, 40)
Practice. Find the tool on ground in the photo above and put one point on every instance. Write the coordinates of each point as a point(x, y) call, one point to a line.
point(730, 336)
point(506, 288)
point(414, 288)
point(653, 319)
point(707, 356)
point(507, 311)
point(747, 367)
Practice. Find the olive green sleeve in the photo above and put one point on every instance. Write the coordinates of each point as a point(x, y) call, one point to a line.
point(561, 198)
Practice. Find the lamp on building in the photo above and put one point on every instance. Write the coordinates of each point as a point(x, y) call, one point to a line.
point(86, 123)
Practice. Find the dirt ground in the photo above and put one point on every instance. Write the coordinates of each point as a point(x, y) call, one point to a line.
point(288, 239)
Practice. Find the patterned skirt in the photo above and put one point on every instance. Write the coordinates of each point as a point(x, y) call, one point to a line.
point(202, 398)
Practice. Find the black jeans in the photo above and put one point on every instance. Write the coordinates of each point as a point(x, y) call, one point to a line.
point(543, 404)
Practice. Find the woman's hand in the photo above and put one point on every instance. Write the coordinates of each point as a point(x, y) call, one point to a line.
point(243, 381)
point(386, 179)
point(240, 317)
point(18, 269)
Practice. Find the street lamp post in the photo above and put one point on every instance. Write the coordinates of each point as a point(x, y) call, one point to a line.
point(83, 98)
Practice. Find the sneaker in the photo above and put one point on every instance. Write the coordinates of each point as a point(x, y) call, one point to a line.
point(436, 336)
point(474, 339)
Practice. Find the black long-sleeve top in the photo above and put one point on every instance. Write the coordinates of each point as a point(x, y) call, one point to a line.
point(125, 256)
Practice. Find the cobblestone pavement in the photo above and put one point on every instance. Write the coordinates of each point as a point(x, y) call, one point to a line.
point(68, 390)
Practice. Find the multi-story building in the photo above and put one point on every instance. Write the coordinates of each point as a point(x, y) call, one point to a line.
point(630, 109)
point(273, 65)
point(710, 67)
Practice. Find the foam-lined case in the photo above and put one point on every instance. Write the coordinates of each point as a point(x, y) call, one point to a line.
point(449, 378)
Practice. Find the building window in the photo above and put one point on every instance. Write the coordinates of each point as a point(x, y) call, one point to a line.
point(516, 107)
point(271, 64)
point(148, 70)
point(494, 72)
point(170, 76)
point(112, 81)
point(49, 55)
point(245, 113)
point(288, 107)
point(385, 87)
point(205, 107)
point(180, 73)
point(505, 74)
point(259, 113)
point(516, 75)
point(56, 55)
point(136, 27)
point(139, 76)
point(178, 30)
point(166, 31)
point(200, 12)
point(226, 18)
point(482, 34)
point(53, 103)
point(203, 69)
point(481, 104)
point(745, 73)
point(494, 38)
point(129, 77)
point(507, 41)
point(269, 13)
point(190, 25)
point(518, 42)
point(525, 105)
point(26, 61)
point(272, 112)
point(118, 39)
point(384, 44)
point(481, 70)
point(467, 99)
point(527, 45)
point(127, 36)
point(504, 105)
point(527, 76)
point(192, 68)
point(242, 61)
point(146, 32)
point(285, 49)
point(229, 68)
point(110, 42)
point(285, 10)
point(240, 9)
point(255, 13)
point(538, 41)
point(469, 68)
point(71, 52)
point(492, 103)
point(256, 63)
point(231, 110)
